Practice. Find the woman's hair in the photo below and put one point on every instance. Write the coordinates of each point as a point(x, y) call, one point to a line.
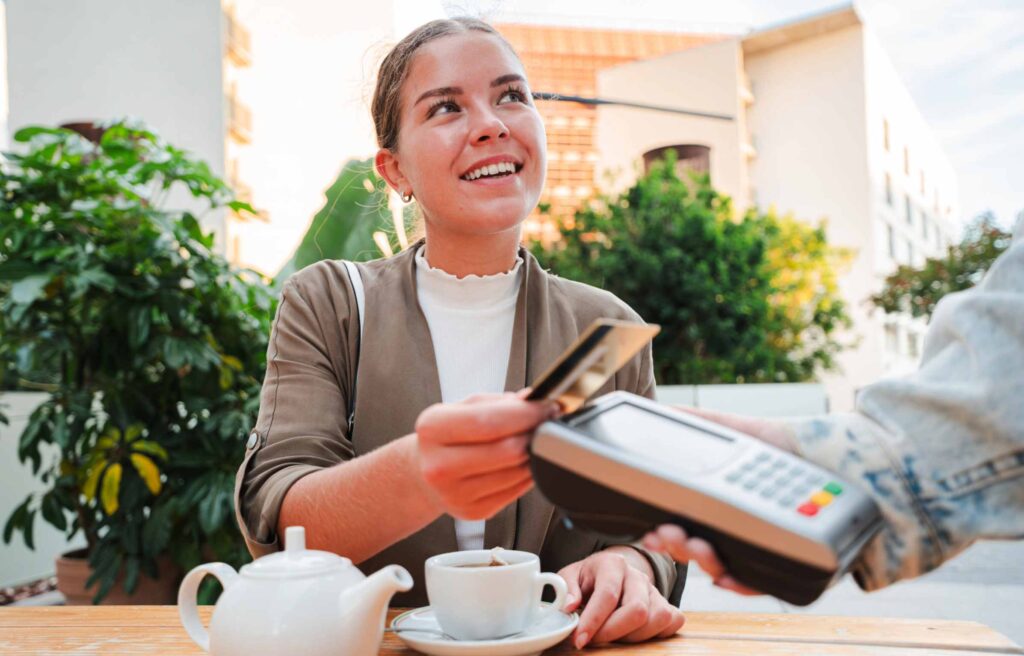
point(386, 106)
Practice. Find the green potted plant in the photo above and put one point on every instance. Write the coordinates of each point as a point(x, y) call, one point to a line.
point(150, 345)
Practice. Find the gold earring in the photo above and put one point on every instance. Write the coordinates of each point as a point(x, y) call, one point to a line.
point(406, 197)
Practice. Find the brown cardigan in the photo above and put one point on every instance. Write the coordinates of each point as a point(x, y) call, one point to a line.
point(311, 364)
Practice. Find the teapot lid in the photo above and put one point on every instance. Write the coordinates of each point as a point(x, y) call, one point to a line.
point(296, 559)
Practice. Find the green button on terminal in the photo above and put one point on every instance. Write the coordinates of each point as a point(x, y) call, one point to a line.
point(834, 488)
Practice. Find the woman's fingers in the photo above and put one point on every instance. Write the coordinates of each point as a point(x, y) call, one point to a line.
point(488, 506)
point(467, 460)
point(474, 421)
point(663, 619)
point(607, 575)
point(633, 611)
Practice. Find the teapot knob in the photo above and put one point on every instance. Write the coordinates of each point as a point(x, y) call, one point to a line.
point(294, 539)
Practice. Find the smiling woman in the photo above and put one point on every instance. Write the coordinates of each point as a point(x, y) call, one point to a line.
point(403, 434)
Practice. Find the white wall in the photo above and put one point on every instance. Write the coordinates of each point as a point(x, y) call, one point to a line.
point(700, 79)
point(18, 564)
point(889, 101)
point(4, 105)
point(160, 61)
point(809, 122)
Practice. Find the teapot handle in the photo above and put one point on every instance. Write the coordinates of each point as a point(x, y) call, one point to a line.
point(188, 593)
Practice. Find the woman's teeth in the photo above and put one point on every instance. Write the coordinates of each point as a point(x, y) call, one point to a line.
point(491, 170)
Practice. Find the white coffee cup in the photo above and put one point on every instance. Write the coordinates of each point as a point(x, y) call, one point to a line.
point(481, 602)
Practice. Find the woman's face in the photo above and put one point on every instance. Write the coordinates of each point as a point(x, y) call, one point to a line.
point(471, 146)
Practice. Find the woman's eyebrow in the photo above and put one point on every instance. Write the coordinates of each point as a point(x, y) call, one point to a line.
point(440, 91)
point(455, 91)
point(505, 79)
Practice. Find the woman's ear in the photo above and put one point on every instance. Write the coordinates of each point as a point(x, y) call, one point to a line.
point(387, 165)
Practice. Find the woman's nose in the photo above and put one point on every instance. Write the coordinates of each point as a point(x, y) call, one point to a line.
point(489, 127)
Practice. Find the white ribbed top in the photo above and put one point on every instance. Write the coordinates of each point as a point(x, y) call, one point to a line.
point(470, 322)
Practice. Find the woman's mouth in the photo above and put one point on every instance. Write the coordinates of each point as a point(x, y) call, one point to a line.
point(492, 171)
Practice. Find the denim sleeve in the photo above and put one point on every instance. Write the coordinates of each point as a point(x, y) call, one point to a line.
point(942, 450)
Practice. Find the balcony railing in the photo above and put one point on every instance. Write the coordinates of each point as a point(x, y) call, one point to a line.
point(239, 120)
point(238, 43)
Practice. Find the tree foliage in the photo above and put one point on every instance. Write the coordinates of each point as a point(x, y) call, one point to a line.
point(918, 290)
point(747, 300)
point(151, 346)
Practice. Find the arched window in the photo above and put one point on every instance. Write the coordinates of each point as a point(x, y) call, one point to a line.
point(689, 157)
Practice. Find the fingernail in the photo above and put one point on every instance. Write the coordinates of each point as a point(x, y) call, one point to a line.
point(581, 640)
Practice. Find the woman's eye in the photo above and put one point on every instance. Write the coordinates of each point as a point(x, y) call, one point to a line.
point(442, 107)
point(513, 95)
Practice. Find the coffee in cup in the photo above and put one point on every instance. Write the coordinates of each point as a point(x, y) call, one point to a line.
point(476, 598)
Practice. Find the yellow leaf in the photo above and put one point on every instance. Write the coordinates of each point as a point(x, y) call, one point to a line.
point(133, 432)
point(150, 447)
point(92, 479)
point(111, 489)
point(148, 471)
point(109, 438)
point(232, 362)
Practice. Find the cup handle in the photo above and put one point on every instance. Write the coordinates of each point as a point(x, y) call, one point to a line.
point(556, 582)
point(188, 593)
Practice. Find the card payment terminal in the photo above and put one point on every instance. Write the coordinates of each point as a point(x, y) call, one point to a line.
point(623, 464)
point(779, 524)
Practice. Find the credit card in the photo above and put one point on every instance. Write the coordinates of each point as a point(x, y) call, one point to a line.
point(603, 348)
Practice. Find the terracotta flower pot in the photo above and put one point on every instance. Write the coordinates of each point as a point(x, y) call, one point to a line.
point(73, 571)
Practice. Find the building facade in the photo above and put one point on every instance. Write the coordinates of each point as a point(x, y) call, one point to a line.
point(128, 59)
point(821, 128)
point(566, 61)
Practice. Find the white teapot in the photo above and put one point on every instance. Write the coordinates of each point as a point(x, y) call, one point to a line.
point(298, 601)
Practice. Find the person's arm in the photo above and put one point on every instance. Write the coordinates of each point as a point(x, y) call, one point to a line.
point(467, 459)
point(941, 451)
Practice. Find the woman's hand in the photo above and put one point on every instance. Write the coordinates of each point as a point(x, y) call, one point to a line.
point(674, 541)
point(621, 602)
point(473, 454)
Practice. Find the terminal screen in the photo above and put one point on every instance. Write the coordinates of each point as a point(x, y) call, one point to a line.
point(658, 438)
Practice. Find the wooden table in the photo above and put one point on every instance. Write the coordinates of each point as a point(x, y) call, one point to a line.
point(156, 630)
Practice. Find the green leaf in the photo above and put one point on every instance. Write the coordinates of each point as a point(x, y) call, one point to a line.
point(16, 520)
point(156, 532)
point(212, 512)
point(29, 289)
point(28, 530)
point(131, 574)
point(53, 512)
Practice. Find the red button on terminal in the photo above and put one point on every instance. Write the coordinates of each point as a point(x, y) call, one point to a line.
point(808, 509)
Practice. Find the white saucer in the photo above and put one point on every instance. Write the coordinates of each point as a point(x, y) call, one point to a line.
point(549, 629)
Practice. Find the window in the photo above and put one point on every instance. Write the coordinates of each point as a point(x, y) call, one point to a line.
point(689, 157)
point(891, 235)
point(888, 189)
point(913, 344)
point(892, 338)
point(924, 226)
point(885, 133)
point(906, 160)
point(909, 209)
point(910, 253)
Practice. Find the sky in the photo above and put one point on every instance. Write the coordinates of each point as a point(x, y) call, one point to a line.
point(962, 62)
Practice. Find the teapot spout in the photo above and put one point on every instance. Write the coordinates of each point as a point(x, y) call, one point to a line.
point(364, 606)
